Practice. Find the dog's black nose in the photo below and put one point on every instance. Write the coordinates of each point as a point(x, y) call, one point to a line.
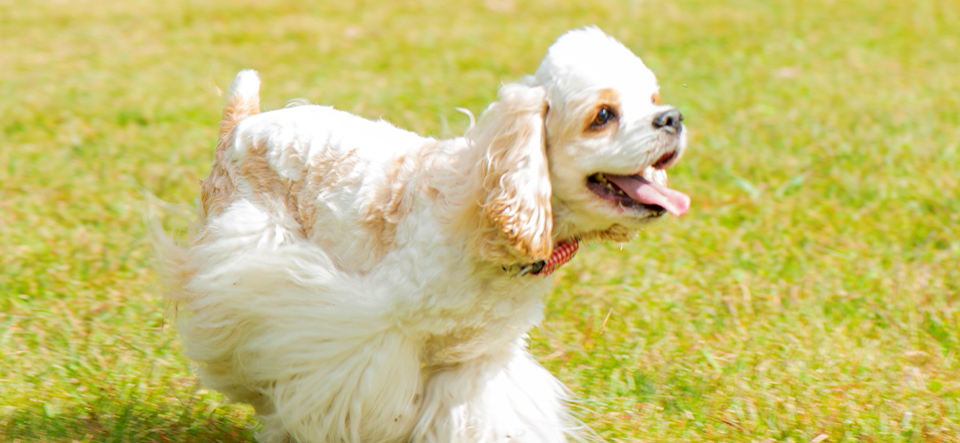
point(672, 118)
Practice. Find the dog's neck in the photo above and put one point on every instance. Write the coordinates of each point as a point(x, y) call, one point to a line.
point(563, 252)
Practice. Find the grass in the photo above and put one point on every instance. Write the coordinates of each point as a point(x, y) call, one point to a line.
point(812, 292)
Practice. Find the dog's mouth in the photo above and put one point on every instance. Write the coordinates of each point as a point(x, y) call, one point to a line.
point(638, 193)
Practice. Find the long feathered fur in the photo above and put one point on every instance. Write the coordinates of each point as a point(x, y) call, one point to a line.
point(507, 163)
point(348, 278)
point(242, 101)
point(277, 323)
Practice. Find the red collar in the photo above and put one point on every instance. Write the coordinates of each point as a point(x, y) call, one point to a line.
point(562, 253)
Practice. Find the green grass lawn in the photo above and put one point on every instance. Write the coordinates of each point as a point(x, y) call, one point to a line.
point(813, 291)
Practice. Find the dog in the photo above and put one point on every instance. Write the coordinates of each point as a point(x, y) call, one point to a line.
point(357, 282)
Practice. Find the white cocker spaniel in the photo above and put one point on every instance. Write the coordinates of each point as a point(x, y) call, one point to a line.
point(356, 282)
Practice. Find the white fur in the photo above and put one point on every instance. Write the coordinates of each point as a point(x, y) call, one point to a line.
point(336, 337)
point(246, 84)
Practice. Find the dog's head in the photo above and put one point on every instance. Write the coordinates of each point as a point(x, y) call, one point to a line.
point(579, 150)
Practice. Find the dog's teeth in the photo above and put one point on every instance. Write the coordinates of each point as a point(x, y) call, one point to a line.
point(609, 186)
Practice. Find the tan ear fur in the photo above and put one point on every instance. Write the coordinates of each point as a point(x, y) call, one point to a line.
point(515, 218)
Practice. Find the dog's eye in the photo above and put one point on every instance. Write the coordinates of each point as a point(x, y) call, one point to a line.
point(604, 115)
point(655, 98)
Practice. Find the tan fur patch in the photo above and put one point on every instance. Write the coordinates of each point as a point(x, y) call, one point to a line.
point(217, 190)
point(655, 98)
point(610, 97)
point(505, 227)
point(266, 184)
point(606, 98)
point(439, 350)
point(391, 202)
point(324, 171)
point(506, 212)
point(236, 110)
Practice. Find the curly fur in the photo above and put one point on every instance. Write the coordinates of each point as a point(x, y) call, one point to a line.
point(347, 277)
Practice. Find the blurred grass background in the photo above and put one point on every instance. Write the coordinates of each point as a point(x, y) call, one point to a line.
point(811, 294)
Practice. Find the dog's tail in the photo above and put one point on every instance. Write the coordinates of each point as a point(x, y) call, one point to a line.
point(243, 100)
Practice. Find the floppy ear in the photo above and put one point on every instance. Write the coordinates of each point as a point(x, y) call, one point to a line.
point(516, 221)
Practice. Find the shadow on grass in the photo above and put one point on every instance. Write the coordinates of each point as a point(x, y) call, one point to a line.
point(128, 422)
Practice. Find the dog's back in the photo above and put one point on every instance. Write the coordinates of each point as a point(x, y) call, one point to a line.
point(319, 173)
point(271, 306)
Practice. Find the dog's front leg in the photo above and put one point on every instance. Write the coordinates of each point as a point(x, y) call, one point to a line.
point(501, 397)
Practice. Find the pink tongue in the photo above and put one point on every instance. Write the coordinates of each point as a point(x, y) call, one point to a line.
point(645, 191)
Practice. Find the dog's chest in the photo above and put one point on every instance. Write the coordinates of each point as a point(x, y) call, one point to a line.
point(466, 322)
